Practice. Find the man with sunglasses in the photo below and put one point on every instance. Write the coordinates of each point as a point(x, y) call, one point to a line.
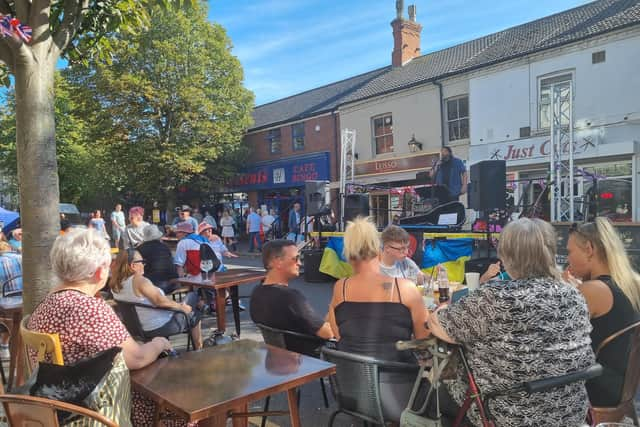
point(275, 304)
point(394, 261)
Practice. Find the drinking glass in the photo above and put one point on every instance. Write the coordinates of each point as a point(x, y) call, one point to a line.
point(206, 266)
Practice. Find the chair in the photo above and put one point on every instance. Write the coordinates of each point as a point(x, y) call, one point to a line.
point(357, 386)
point(308, 345)
point(631, 380)
point(37, 411)
point(42, 343)
point(8, 287)
point(129, 316)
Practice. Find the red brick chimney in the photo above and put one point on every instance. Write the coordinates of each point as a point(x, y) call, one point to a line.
point(406, 36)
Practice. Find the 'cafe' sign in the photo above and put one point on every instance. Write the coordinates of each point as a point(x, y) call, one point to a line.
point(530, 149)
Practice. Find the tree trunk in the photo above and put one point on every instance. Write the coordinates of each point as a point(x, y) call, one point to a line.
point(171, 205)
point(37, 171)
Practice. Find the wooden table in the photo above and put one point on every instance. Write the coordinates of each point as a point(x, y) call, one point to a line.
point(215, 383)
point(229, 279)
point(11, 308)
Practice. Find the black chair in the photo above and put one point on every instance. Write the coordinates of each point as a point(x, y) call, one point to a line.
point(129, 316)
point(309, 345)
point(357, 384)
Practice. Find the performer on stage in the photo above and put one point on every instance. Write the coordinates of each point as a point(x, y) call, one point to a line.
point(451, 173)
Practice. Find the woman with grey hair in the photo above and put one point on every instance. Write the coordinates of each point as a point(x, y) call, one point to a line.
point(531, 327)
point(81, 261)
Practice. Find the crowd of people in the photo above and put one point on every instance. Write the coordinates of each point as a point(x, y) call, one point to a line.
point(528, 320)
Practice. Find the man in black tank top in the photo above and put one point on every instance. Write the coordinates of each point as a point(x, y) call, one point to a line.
point(275, 304)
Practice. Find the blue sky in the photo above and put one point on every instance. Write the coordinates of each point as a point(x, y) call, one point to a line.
point(289, 46)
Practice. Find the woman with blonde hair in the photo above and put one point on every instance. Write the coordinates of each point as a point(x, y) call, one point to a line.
point(611, 288)
point(370, 311)
point(531, 327)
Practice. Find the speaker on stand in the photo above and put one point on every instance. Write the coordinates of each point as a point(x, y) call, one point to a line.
point(488, 191)
point(356, 204)
point(316, 196)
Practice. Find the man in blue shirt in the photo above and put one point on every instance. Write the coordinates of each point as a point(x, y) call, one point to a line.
point(451, 173)
point(253, 230)
point(295, 219)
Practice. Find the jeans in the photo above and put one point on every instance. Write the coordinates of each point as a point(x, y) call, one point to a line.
point(254, 235)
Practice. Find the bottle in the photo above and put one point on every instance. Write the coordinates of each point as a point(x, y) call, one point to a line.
point(443, 284)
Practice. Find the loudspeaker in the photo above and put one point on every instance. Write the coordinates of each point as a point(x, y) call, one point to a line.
point(311, 261)
point(316, 195)
point(356, 204)
point(488, 189)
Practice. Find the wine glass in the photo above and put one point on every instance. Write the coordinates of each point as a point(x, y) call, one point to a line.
point(206, 265)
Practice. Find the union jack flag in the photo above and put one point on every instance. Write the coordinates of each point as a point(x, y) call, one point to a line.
point(22, 31)
point(5, 26)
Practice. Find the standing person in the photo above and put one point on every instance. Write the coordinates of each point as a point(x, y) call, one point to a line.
point(209, 219)
point(267, 224)
point(253, 230)
point(295, 219)
point(451, 173)
point(134, 232)
point(16, 239)
point(227, 222)
point(117, 224)
point(394, 261)
point(197, 215)
point(97, 223)
point(611, 288)
point(185, 215)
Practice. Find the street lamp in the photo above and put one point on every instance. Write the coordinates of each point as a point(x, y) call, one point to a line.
point(414, 145)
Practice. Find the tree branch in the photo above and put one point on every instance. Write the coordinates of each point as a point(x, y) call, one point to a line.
point(23, 8)
point(74, 12)
point(5, 8)
point(6, 55)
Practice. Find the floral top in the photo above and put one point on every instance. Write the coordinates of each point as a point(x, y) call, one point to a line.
point(86, 325)
point(518, 331)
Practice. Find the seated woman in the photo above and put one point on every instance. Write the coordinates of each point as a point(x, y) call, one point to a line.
point(612, 290)
point(158, 261)
point(532, 327)
point(128, 284)
point(370, 311)
point(81, 259)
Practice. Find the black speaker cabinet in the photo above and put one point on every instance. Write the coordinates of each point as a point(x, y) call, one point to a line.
point(315, 193)
point(488, 185)
point(356, 204)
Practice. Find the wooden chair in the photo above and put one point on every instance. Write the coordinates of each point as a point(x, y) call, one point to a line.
point(626, 407)
point(42, 343)
point(36, 411)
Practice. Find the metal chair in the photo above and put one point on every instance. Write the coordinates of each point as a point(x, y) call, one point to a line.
point(308, 345)
point(626, 406)
point(357, 384)
point(8, 287)
point(129, 316)
point(42, 343)
point(37, 411)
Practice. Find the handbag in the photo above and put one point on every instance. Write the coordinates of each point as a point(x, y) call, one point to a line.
point(100, 383)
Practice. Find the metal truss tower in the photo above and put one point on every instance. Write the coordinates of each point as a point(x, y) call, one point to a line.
point(347, 170)
point(562, 149)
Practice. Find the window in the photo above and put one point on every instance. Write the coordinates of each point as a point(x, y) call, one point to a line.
point(598, 57)
point(383, 134)
point(275, 144)
point(297, 135)
point(560, 85)
point(458, 118)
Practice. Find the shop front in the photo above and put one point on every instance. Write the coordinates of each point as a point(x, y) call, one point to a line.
point(279, 184)
point(391, 184)
point(604, 172)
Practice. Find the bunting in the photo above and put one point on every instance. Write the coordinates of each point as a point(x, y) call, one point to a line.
point(12, 27)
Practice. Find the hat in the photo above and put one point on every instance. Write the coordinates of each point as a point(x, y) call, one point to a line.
point(204, 226)
point(151, 232)
point(186, 208)
point(184, 227)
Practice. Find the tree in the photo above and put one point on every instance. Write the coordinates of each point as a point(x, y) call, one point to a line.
point(75, 29)
point(171, 102)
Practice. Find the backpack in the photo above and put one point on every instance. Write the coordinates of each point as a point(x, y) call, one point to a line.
point(194, 257)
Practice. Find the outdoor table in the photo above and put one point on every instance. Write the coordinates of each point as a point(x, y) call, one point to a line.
point(215, 383)
point(229, 279)
point(11, 307)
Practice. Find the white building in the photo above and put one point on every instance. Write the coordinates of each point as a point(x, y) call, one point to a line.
point(509, 110)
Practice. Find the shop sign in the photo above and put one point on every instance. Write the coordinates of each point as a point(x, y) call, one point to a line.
point(397, 164)
point(537, 148)
point(283, 173)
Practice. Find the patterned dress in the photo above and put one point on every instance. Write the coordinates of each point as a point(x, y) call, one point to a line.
point(87, 326)
point(518, 331)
